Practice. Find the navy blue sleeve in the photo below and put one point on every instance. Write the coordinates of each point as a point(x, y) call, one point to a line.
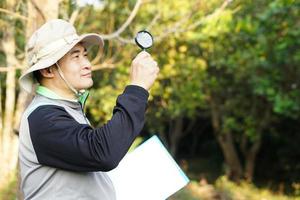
point(60, 141)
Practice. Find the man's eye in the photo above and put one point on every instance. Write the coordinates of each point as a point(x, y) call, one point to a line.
point(85, 55)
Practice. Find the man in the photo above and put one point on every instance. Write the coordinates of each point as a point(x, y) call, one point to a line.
point(61, 155)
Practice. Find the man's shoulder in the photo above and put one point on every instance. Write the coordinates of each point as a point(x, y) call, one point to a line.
point(42, 104)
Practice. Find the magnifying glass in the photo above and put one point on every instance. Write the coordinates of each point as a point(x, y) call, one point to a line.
point(144, 40)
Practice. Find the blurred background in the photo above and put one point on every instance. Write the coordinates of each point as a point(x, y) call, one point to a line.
point(226, 103)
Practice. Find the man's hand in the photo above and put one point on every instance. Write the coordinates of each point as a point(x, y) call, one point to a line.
point(144, 70)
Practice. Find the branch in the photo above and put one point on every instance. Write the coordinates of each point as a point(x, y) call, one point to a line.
point(174, 28)
point(19, 65)
point(154, 20)
point(7, 69)
point(116, 34)
point(17, 15)
point(178, 24)
point(216, 12)
point(103, 65)
point(97, 57)
point(38, 9)
point(109, 63)
point(74, 14)
point(126, 41)
point(126, 23)
point(112, 56)
point(165, 32)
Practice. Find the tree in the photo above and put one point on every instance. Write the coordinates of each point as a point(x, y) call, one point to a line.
point(12, 40)
point(246, 75)
point(21, 18)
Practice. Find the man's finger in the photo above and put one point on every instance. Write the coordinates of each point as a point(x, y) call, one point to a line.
point(142, 55)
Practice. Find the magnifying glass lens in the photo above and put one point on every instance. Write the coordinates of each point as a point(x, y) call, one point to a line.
point(144, 39)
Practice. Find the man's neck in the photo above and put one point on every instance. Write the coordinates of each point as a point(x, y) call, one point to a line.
point(62, 92)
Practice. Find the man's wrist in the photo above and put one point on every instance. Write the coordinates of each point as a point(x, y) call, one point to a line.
point(138, 91)
point(140, 85)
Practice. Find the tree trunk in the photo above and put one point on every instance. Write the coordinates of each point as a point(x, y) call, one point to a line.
point(235, 170)
point(250, 150)
point(176, 132)
point(225, 140)
point(38, 13)
point(250, 160)
point(9, 147)
point(1, 113)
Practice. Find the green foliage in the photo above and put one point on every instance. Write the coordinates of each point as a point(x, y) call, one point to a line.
point(245, 59)
point(136, 143)
point(253, 57)
point(178, 91)
point(277, 45)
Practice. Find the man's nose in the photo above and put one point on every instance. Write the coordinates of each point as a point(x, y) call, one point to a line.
point(86, 64)
point(89, 67)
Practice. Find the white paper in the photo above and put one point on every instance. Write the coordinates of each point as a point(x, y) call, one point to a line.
point(147, 173)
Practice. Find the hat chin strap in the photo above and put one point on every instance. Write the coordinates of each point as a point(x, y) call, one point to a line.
point(61, 74)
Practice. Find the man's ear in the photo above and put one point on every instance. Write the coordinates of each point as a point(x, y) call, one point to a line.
point(47, 72)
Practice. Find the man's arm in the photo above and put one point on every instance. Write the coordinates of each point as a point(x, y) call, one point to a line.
point(60, 141)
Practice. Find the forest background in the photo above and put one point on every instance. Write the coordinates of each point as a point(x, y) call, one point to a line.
point(226, 103)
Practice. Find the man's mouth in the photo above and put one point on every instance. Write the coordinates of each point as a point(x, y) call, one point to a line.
point(87, 75)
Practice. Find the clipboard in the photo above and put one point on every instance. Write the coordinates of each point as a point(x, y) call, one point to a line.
point(147, 173)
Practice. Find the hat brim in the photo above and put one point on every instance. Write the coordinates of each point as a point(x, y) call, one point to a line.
point(27, 81)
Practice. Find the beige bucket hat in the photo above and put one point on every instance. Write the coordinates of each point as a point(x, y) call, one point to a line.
point(50, 43)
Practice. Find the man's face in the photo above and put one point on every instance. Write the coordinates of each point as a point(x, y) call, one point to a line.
point(77, 68)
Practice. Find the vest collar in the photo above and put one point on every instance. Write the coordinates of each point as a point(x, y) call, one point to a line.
point(42, 90)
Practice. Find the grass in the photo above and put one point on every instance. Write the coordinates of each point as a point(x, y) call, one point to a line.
point(208, 183)
point(223, 189)
point(245, 191)
point(204, 185)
